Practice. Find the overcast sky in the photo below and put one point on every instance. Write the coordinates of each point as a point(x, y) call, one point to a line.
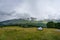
point(41, 9)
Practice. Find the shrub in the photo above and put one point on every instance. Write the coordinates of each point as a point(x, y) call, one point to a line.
point(57, 25)
point(51, 24)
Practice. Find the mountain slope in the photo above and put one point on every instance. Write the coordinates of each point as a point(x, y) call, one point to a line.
point(22, 22)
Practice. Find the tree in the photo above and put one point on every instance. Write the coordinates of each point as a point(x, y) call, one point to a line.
point(58, 25)
point(51, 24)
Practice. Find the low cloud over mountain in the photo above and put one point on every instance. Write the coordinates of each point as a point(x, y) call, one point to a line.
point(41, 9)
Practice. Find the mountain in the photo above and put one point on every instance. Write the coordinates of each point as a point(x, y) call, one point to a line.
point(23, 22)
point(13, 21)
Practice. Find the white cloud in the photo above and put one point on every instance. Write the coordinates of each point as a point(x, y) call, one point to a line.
point(40, 9)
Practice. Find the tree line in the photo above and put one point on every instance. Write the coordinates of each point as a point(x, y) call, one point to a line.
point(52, 24)
point(25, 25)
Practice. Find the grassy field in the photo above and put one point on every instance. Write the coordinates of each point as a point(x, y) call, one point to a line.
point(17, 33)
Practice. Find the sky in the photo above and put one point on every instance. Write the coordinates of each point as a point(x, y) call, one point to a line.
point(40, 9)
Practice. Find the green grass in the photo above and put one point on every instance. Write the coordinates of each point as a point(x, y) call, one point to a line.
point(18, 33)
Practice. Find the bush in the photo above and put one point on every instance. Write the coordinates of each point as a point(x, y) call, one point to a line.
point(51, 24)
point(57, 25)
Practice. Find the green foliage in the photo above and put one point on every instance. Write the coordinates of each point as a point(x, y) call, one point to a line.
point(58, 25)
point(51, 24)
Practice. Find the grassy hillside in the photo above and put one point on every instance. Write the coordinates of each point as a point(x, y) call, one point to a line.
point(17, 33)
point(22, 22)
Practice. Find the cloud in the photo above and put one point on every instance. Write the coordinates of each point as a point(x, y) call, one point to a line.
point(41, 9)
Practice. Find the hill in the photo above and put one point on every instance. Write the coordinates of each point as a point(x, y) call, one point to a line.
point(26, 23)
point(21, 22)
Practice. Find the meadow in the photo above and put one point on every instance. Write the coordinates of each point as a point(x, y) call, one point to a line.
point(18, 33)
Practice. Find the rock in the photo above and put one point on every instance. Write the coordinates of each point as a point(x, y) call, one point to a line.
point(40, 28)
